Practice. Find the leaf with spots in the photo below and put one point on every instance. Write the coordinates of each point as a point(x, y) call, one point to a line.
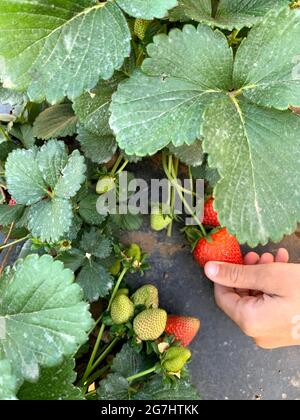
point(95, 280)
point(186, 70)
point(190, 155)
point(55, 383)
point(96, 243)
point(42, 316)
point(147, 9)
point(229, 14)
point(45, 179)
point(49, 47)
point(8, 382)
point(99, 149)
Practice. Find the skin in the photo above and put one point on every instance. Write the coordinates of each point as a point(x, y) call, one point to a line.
point(262, 297)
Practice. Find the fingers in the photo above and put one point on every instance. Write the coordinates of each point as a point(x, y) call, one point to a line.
point(267, 258)
point(282, 256)
point(240, 309)
point(251, 259)
point(268, 278)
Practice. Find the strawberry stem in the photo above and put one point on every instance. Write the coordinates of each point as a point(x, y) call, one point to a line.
point(91, 366)
point(116, 165)
point(178, 188)
point(14, 242)
point(141, 374)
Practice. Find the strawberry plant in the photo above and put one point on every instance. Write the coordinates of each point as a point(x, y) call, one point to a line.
point(89, 88)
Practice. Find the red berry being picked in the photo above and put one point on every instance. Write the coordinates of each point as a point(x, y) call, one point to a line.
point(210, 217)
point(219, 246)
point(12, 202)
point(183, 328)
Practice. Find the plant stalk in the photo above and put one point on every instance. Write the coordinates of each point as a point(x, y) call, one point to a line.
point(141, 374)
point(17, 241)
point(90, 365)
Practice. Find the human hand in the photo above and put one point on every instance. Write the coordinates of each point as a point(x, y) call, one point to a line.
point(262, 297)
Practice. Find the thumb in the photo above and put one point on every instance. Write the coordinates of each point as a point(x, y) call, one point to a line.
point(270, 279)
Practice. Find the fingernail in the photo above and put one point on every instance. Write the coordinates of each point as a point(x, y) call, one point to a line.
point(211, 270)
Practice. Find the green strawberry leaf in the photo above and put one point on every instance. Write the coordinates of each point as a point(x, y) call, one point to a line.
point(210, 175)
point(128, 362)
point(9, 214)
point(147, 9)
point(54, 383)
point(114, 387)
point(100, 149)
point(72, 176)
point(24, 133)
point(50, 219)
point(252, 198)
point(185, 72)
point(6, 146)
point(8, 382)
point(58, 58)
point(95, 280)
point(129, 222)
point(24, 178)
point(72, 259)
point(266, 70)
point(157, 389)
point(46, 179)
point(229, 14)
point(56, 121)
point(88, 210)
point(42, 315)
point(190, 155)
point(92, 108)
point(95, 243)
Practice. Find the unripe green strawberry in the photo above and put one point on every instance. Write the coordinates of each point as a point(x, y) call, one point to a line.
point(140, 28)
point(122, 292)
point(105, 184)
point(176, 358)
point(146, 295)
point(116, 268)
point(122, 309)
point(159, 221)
point(150, 324)
point(135, 252)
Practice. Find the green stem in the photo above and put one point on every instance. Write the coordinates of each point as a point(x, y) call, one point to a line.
point(14, 242)
point(172, 169)
point(105, 353)
point(97, 375)
point(122, 167)
point(116, 165)
point(116, 288)
point(186, 204)
point(89, 368)
point(141, 374)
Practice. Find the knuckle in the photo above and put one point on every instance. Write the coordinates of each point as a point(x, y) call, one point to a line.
point(237, 274)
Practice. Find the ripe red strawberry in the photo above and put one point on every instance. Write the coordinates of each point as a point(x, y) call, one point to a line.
point(219, 246)
point(12, 202)
point(184, 328)
point(210, 217)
